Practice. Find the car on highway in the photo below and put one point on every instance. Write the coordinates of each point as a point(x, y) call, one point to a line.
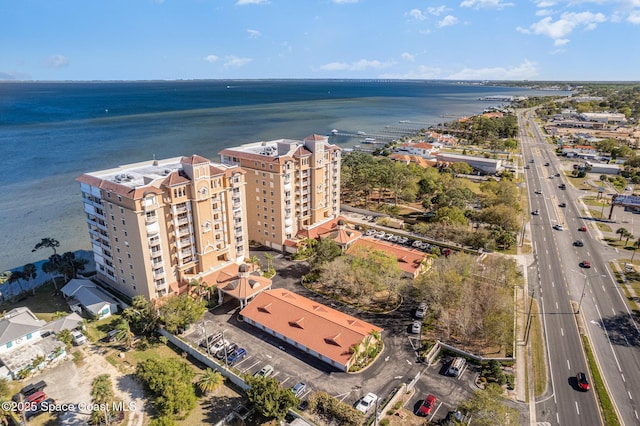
point(368, 401)
point(427, 405)
point(582, 229)
point(585, 264)
point(578, 243)
point(551, 177)
point(421, 311)
point(415, 327)
point(298, 389)
point(547, 164)
point(558, 227)
point(563, 204)
point(538, 192)
point(527, 167)
point(583, 383)
point(531, 161)
point(265, 371)
point(535, 212)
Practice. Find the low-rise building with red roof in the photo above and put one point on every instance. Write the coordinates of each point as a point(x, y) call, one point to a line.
point(320, 331)
point(411, 262)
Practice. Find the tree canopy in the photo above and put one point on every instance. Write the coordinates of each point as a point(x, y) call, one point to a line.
point(169, 379)
point(269, 398)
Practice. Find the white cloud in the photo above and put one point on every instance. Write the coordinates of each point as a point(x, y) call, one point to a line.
point(235, 62)
point(560, 41)
point(360, 65)
point(485, 4)
point(634, 17)
point(423, 72)
point(245, 2)
point(254, 33)
point(524, 71)
point(345, 1)
point(564, 26)
point(545, 3)
point(437, 11)
point(211, 58)
point(408, 57)
point(447, 21)
point(544, 12)
point(57, 61)
point(417, 14)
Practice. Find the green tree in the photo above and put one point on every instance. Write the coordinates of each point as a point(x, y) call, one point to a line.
point(622, 232)
point(30, 272)
point(169, 380)
point(64, 336)
point(181, 311)
point(102, 394)
point(142, 316)
point(269, 398)
point(47, 243)
point(324, 252)
point(461, 169)
point(15, 277)
point(270, 271)
point(210, 380)
point(487, 407)
point(124, 333)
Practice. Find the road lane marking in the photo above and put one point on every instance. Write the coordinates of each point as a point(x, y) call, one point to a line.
point(623, 379)
point(562, 331)
point(630, 397)
point(568, 365)
point(577, 409)
point(615, 357)
point(613, 310)
point(557, 308)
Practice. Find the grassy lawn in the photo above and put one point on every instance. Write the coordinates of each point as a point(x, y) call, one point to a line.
point(604, 227)
point(537, 352)
point(44, 304)
point(578, 183)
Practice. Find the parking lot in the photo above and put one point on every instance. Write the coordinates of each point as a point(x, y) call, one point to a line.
point(398, 363)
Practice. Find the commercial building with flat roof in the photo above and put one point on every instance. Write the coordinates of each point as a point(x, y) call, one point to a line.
point(291, 185)
point(156, 225)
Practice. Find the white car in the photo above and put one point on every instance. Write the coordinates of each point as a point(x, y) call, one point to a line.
point(368, 401)
point(421, 311)
point(415, 327)
point(77, 338)
point(558, 227)
point(217, 346)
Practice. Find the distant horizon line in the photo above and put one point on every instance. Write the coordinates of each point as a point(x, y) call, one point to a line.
point(185, 80)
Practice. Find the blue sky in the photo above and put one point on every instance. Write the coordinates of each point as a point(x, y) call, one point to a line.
point(247, 39)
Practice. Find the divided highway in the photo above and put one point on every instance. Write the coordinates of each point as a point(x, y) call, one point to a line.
point(557, 280)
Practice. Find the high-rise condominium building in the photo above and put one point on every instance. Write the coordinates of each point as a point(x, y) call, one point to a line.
point(291, 185)
point(156, 225)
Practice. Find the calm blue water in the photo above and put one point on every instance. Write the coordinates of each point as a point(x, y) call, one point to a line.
point(50, 133)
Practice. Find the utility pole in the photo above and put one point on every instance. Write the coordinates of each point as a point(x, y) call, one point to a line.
point(528, 324)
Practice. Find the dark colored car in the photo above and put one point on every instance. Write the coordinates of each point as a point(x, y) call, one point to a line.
point(585, 264)
point(538, 192)
point(583, 383)
point(535, 212)
point(237, 355)
point(562, 186)
point(578, 243)
point(427, 405)
point(562, 204)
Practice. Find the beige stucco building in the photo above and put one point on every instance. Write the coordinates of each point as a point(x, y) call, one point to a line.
point(292, 185)
point(156, 225)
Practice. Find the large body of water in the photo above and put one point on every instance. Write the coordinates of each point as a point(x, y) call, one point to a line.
point(50, 133)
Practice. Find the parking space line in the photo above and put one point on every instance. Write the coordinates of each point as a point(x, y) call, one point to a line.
point(251, 366)
point(285, 380)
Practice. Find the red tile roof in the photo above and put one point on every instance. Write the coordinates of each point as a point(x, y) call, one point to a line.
point(409, 260)
point(320, 328)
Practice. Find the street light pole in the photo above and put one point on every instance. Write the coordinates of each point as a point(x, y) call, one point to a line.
point(206, 338)
point(584, 286)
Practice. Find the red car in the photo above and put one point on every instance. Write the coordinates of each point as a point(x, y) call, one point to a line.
point(583, 383)
point(582, 229)
point(427, 406)
point(585, 264)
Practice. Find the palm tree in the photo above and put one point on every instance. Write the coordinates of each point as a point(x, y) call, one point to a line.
point(209, 381)
point(269, 258)
point(197, 285)
point(255, 262)
point(628, 235)
point(15, 277)
point(49, 267)
point(101, 393)
point(124, 333)
point(29, 272)
point(48, 243)
point(622, 232)
point(636, 245)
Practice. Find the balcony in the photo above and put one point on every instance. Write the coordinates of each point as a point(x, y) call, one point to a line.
point(158, 274)
point(150, 219)
point(155, 252)
point(288, 222)
point(180, 209)
point(161, 287)
point(153, 228)
point(182, 221)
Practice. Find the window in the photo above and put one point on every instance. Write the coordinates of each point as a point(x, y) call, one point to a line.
point(113, 217)
point(119, 260)
point(125, 233)
point(270, 166)
point(108, 195)
point(121, 209)
point(120, 198)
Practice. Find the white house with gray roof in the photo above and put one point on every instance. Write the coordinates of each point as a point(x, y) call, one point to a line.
point(85, 295)
point(22, 341)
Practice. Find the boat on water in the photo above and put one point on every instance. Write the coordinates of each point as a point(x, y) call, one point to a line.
point(360, 132)
point(369, 140)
